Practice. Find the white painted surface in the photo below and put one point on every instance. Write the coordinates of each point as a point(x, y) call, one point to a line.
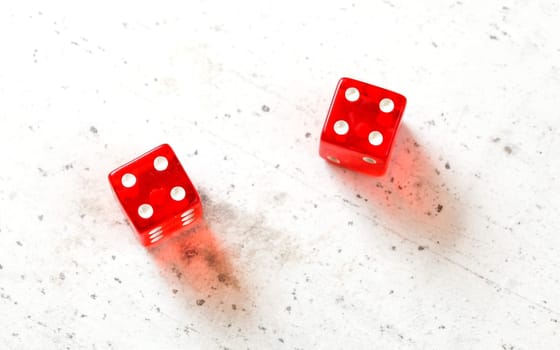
point(297, 254)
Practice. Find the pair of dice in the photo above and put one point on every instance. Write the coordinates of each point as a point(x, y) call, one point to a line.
point(159, 199)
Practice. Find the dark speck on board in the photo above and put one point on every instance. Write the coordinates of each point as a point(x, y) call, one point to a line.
point(210, 259)
point(175, 291)
point(93, 129)
point(200, 302)
point(447, 166)
point(265, 108)
point(1, 267)
point(62, 276)
point(421, 247)
point(439, 208)
point(508, 149)
point(117, 279)
point(177, 272)
point(280, 340)
point(308, 134)
point(19, 243)
point(40, 217)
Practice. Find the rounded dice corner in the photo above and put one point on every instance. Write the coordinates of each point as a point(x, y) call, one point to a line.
point(163, 146)
point(113, 177)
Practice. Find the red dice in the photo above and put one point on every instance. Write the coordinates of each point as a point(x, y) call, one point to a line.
point(156, 194)
point(361, 126)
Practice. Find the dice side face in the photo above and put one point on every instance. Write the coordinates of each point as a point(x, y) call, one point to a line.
point(361, 126)
point(172, 225)
point(347, 158)
point(156, 194)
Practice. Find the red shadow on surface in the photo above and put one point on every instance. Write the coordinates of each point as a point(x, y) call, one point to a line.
point(413, 194)
point(196, 259)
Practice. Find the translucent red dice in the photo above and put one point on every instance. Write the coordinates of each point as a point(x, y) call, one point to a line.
point(361, 126)
point(156, 194)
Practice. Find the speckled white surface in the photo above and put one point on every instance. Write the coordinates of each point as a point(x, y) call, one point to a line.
point(457, 247)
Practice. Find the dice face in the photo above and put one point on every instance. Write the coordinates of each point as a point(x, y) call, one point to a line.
point(156, 194)
point(361, 126)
